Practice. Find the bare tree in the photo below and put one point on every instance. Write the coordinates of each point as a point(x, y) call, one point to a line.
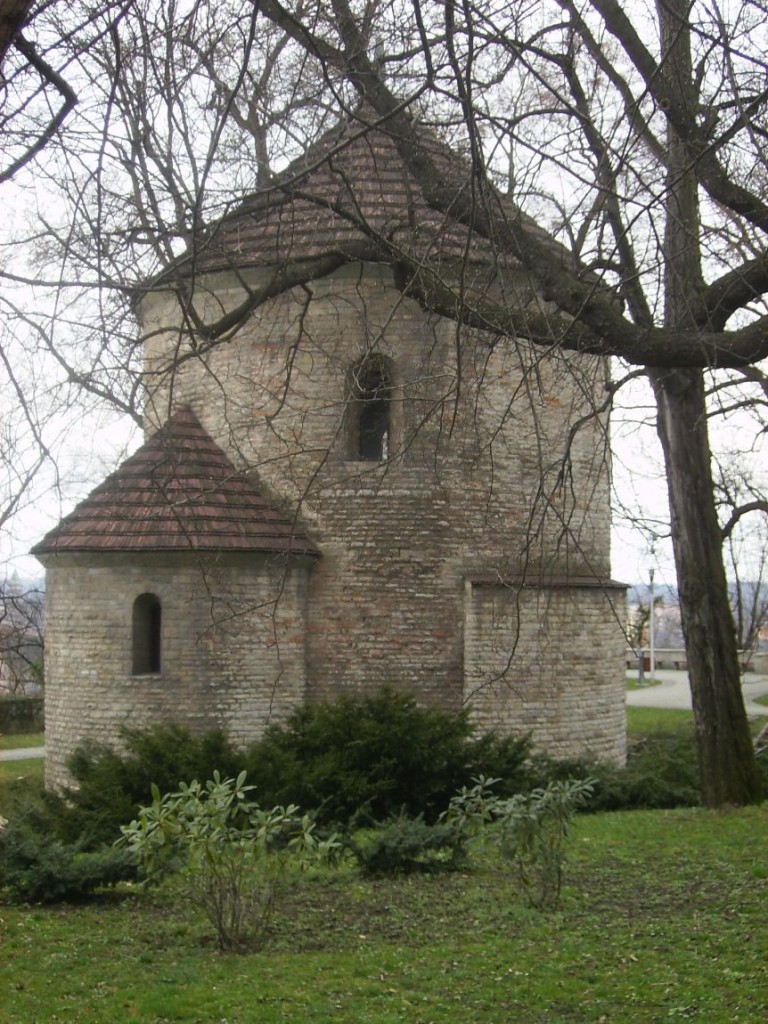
point(21, 638)
point(661, 246)
point(743, 506)
point(36, 99)
point(617, 157)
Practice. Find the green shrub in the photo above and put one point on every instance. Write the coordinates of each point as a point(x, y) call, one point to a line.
point(661, 773)
point(533, 828)
point(36, 867)
point(366, 759)
point(503, 758)
point(406, 845)
point(21, 714)
point(110, 786)
point(229, 852)
point(530, 829)
point(762, 767)
point(473, 807)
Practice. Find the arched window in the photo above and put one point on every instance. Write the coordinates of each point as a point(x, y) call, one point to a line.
point(147, 626)
point(370, 409)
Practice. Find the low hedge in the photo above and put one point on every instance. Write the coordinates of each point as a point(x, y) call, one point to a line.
point(21, 715)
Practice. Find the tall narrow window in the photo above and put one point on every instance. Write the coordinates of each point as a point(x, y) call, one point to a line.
point(147, 623)
point(370, 411)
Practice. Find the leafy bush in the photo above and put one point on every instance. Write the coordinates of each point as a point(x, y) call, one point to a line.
point(229, 851)
point(533, 828)
point(473, 807)
point(530, 829)
point(406, 845)
point(36, 867)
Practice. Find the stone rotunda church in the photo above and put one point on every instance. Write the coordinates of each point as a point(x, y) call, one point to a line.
point(340, 489)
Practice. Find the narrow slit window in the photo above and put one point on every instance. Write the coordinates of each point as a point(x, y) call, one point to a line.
point(371, 409)
point(147, 632)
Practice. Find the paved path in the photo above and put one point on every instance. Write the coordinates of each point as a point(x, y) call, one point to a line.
point(673, 691)
point(22, 753)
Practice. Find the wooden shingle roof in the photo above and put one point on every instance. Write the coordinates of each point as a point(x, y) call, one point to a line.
point(345, 194)
point(178, 492)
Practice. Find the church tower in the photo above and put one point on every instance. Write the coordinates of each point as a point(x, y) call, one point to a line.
point(444, 525)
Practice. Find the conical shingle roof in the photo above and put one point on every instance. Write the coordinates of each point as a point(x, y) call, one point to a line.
point(345, 194)
point(178, 492)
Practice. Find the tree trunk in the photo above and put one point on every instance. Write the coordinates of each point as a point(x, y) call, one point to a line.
point(726, 756)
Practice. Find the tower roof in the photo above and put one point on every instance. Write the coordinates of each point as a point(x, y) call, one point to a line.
point(346, 194)
point(178, 492)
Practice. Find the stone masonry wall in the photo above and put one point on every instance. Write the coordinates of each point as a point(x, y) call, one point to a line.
point(233, 655)
point(535, 662)
point(483, 475)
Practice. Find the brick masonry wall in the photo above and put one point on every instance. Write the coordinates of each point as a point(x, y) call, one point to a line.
point(483, 476)
point(535, 662)
point(233, 637)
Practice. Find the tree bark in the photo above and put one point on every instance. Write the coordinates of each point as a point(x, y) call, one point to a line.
point(726, 756)
point(12, 15)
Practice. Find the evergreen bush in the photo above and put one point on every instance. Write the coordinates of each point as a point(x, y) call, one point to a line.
point(359, 759)
point(363, 759)
point(37, 867)
point(110, 786)
point(21, 714)
point(661, 772)
point(406, 845)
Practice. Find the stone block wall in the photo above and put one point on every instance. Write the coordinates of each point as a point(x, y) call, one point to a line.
point(232, 654)
point(482, 422)
point(485, 475)
point(542, 658)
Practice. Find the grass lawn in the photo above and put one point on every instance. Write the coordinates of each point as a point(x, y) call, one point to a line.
point(662, 920)
point(641, 721)
point(15, 773)
point(29, 739)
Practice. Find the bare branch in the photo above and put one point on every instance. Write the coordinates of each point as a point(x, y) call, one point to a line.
point(69, 100)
